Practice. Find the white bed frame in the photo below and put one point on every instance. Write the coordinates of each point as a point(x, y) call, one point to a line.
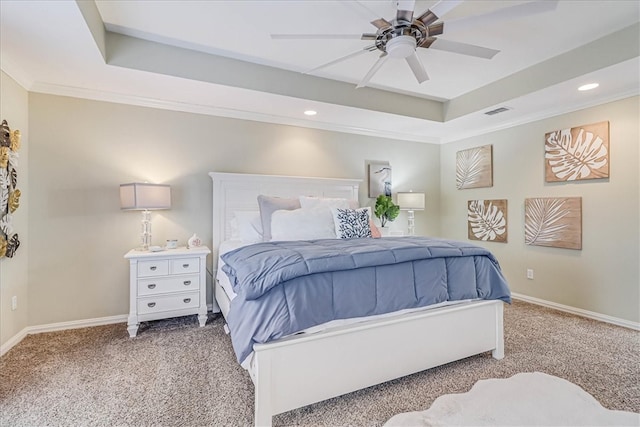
point(297, 371)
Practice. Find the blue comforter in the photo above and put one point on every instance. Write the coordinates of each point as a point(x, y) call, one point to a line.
point(287, 286)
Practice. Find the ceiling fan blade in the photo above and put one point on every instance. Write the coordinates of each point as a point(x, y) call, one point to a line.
point(428, 17)
point(381, 60)
point(441, 8)
point(369, 36)
point(343, 58)
point(368, 14)
point(362, 10)
point(464, 49)
point(417, 67)
point(381, 23)
point(404, 15)
point(428, 42)
point(315, 36)
point(405, 10)
point(503, 14)
point(435, 29)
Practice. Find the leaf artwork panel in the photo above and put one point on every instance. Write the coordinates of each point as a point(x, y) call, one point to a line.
point(578, 153)
point(474, 167)
point(487, 220)
point(554, 222)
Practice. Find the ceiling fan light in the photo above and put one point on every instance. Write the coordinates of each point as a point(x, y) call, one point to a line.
point(401, 46)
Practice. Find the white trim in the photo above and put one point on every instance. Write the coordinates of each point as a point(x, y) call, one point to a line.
point(76, 324)
point(578, 311)
point(16, 73)
point(13, 341)
point(544, 114)
point(61, 326)
point(141, 101)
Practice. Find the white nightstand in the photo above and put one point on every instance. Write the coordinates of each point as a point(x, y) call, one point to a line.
point(168, 283)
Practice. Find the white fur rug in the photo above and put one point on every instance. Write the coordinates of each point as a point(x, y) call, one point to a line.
point(526, 399)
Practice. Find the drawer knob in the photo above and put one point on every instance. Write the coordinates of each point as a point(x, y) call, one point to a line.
point(151, 304)
point(187, 300)
point(151, 286)
point(153, 268)
point(185, 265)
point(187, 282)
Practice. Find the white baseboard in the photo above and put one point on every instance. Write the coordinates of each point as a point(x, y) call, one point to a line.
point(61, 326)
point(13, 341)
point(76, 324)
point(51, 327)
point(578, 311)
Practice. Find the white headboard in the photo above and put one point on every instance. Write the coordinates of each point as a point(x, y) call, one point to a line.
point(239, 192)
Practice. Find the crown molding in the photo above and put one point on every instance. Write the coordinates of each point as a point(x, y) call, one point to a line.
point(16, 73)
point(545, 114)
point(119, 98)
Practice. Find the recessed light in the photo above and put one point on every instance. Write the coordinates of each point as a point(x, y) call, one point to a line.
point(588, 86)
point(310, 113)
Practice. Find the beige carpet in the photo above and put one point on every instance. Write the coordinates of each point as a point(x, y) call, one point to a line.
point(177, 374)
point(525, 399)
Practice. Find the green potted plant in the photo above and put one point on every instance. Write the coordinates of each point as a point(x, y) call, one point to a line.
point(385, 209)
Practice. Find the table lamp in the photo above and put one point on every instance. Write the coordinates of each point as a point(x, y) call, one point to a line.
point(410, 202)
point(145, 197)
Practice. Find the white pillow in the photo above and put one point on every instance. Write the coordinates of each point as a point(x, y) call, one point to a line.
point(268, 205)
point(328, 202)
point(302, 224)
point(352, 223)
point(246, 226)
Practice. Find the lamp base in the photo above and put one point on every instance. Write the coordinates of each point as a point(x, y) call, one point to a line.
point(145, 235)
point(411, 223)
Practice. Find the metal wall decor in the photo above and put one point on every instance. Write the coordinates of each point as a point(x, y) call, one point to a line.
point(9, 193)
point(577, 153)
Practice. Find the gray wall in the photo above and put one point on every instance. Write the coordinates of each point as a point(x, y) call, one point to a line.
point(76, 153)
point(603, 276)
point(82, 150)
point(14, 109)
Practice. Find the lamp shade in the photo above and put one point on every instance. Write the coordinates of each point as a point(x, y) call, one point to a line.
point(144, 196)
point(411, 201)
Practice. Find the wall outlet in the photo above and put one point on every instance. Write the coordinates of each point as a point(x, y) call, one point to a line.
point(530, 273)
point(14, 302)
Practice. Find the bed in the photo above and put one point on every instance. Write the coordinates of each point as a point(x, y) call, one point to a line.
point(298, 370)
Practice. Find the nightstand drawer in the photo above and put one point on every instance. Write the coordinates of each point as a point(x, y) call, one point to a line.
point(160, 303)
point(153, 268)
point(184, 265)
point(161, 285)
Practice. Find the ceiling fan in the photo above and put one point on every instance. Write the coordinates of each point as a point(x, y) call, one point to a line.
point(402, 36)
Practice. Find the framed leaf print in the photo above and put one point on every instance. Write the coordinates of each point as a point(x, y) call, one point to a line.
point(487, 220)
point(474, 167)
point(554, 222)
point(578, 153)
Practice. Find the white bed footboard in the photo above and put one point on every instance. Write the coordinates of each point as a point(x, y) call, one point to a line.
point(341, 361)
